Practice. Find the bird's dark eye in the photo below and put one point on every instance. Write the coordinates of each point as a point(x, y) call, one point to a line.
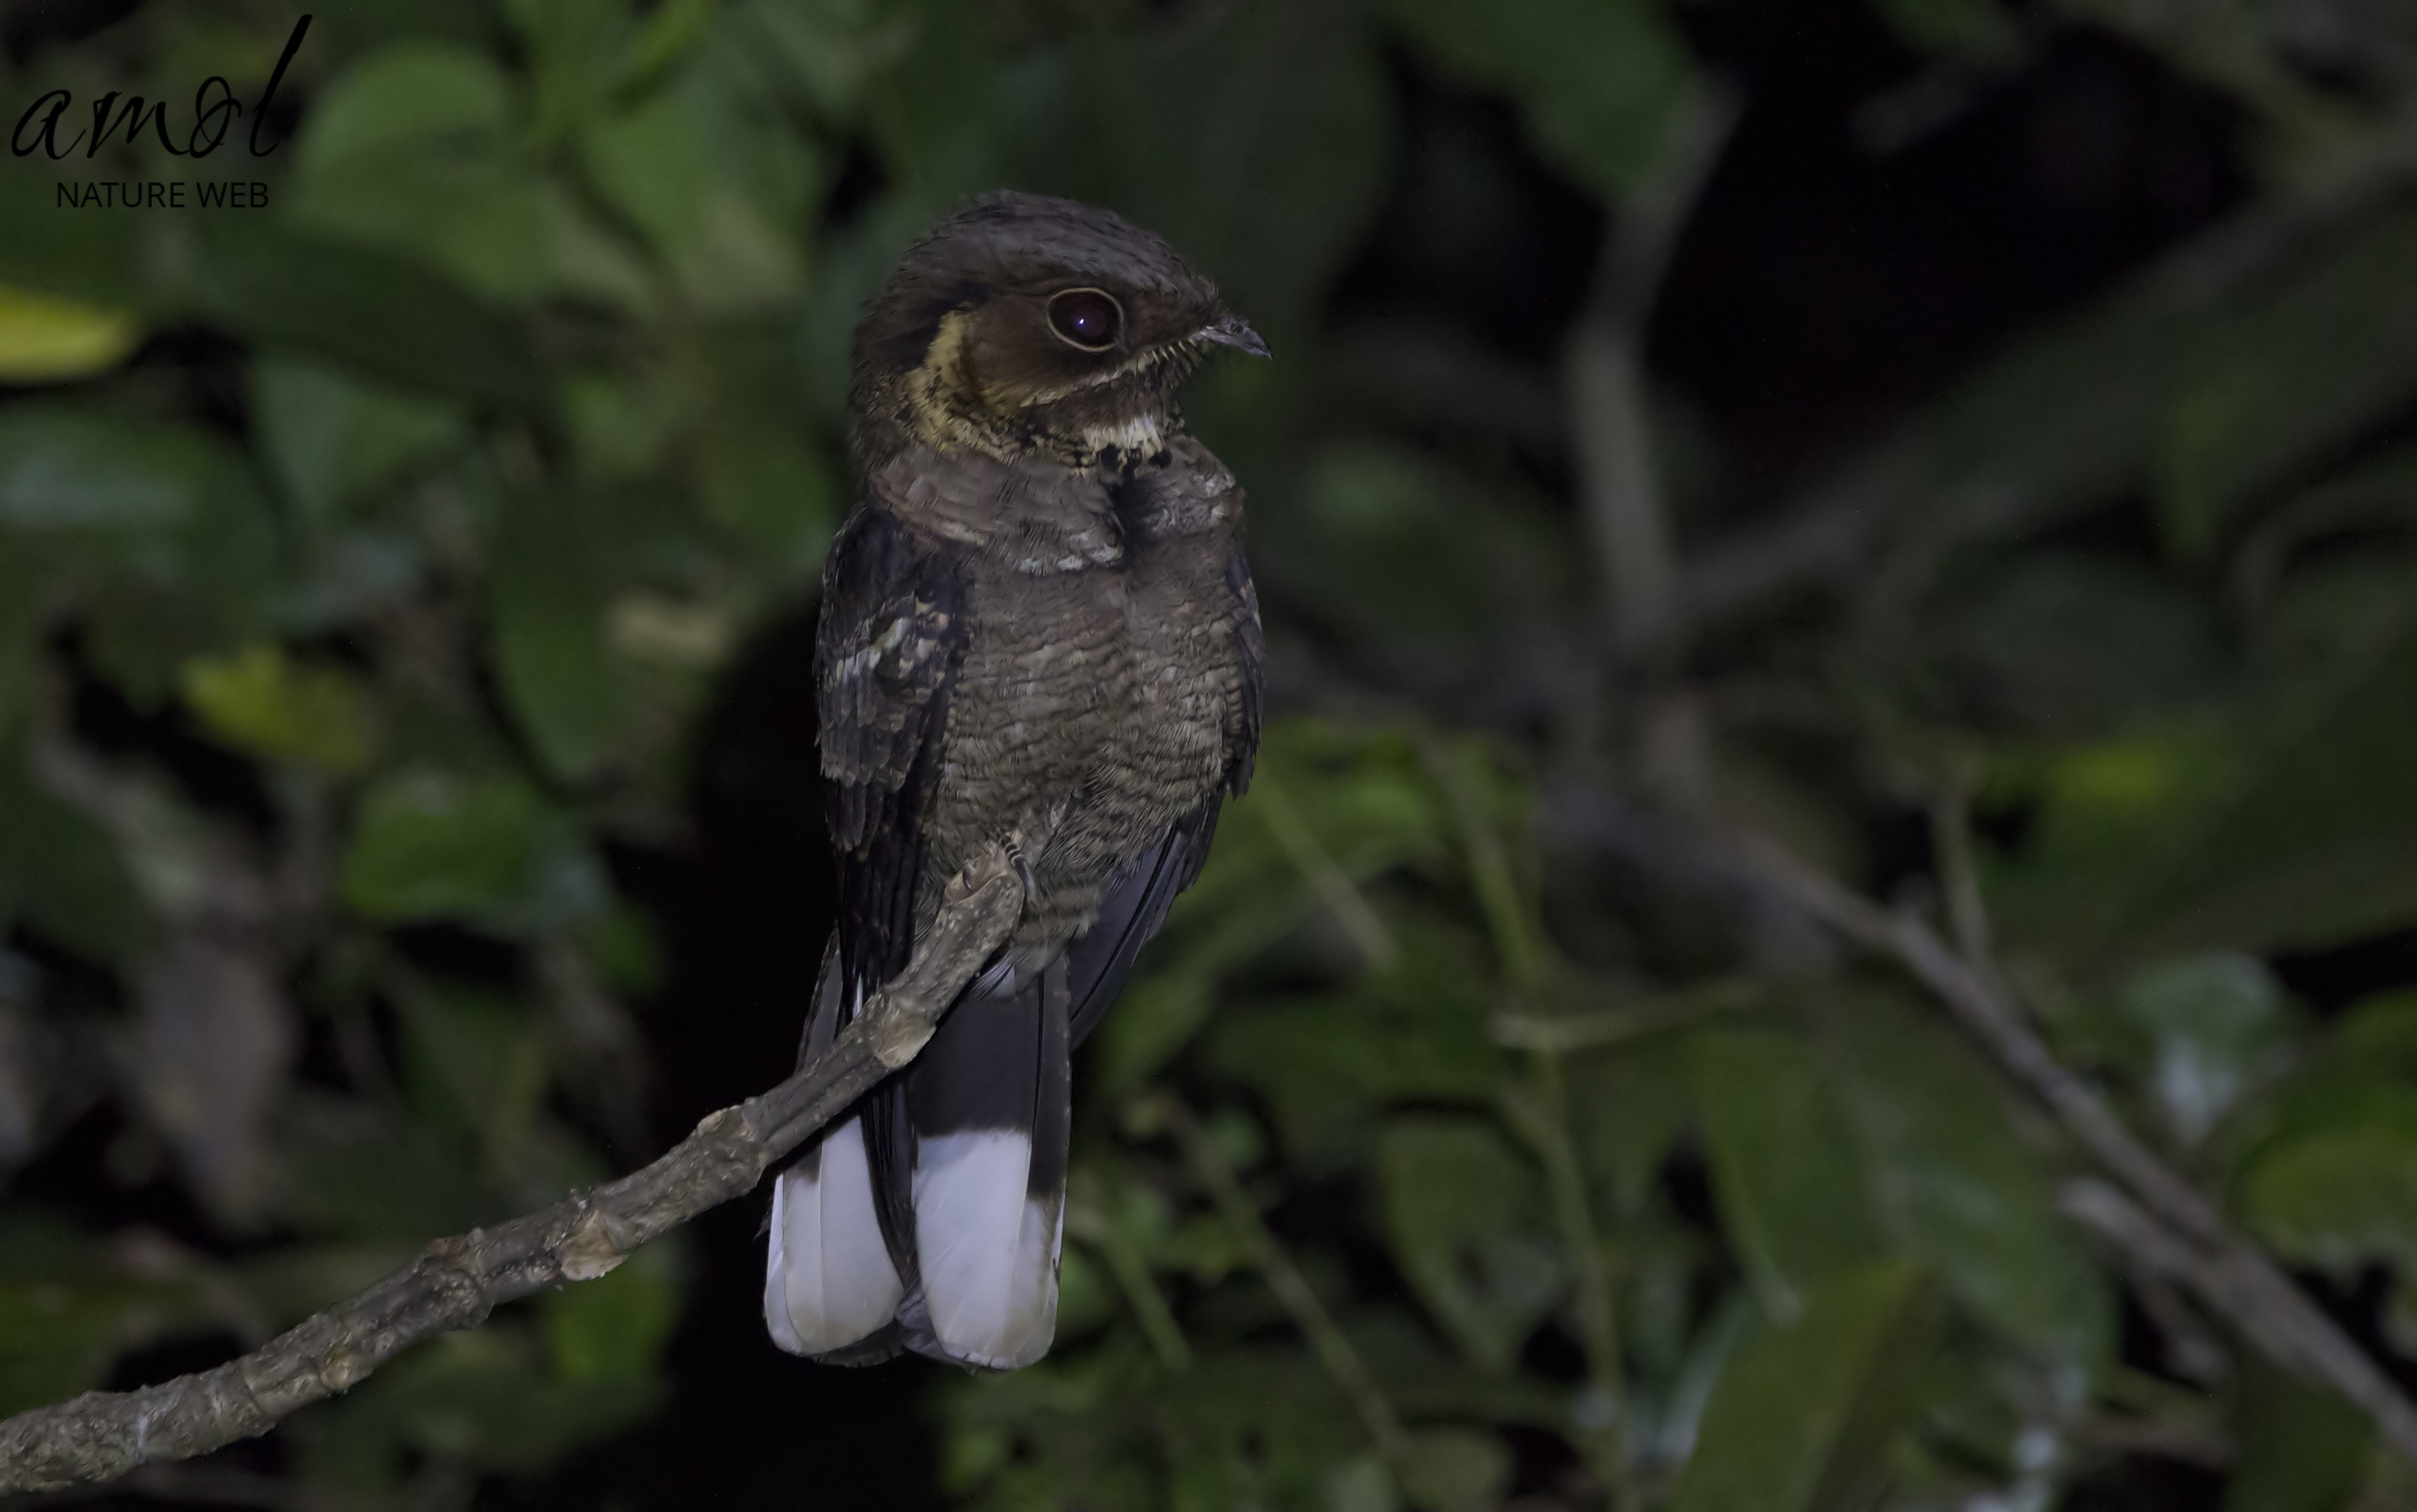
point(1089, 318)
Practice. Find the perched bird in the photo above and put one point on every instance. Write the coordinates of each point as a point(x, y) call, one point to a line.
point(1038, 630)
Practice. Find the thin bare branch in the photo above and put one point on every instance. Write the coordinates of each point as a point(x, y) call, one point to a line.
point(1657, 1014)
point(2190, 1443)
point(1087, 1219)
point(456, 1282)
point(1291, 1288)
point(1538, 1110)
point(2246, 1289)
point(1609, 426)
point(2228, 1274)
point(1959, 877)
point(1985, 1014)
point(1335, 888)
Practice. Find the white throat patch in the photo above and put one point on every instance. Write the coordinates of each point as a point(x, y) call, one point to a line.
point(1139, 436)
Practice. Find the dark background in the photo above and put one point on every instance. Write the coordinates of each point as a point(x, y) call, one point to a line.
point(2059, 338)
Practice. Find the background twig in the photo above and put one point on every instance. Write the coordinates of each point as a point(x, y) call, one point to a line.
point(1291, 1288)
point(2171, 1228)
point(1609, 425)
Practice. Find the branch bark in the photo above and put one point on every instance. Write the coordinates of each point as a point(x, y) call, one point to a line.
point(457, 1282)
point(2240, 1285)
point(2156, 1216)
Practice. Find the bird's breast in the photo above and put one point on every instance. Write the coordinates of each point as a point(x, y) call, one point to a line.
point(1091, 705)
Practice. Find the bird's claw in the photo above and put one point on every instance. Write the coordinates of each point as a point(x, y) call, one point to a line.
point(1020, 845)
point(1023, 864)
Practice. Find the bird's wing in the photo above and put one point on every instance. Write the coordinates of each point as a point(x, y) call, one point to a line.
point(892, 636)
point(1100, 959)
point(1249, 658)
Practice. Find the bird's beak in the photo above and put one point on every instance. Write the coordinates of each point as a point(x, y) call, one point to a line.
point(1234, 331)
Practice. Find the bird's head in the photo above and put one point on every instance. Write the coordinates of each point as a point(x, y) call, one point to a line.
point(1027, 326)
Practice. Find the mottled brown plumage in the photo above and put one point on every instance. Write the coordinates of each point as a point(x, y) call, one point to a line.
point(1038, 627)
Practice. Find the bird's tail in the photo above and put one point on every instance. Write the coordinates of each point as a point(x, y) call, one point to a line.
point(829, 1284)
point(931, 1219)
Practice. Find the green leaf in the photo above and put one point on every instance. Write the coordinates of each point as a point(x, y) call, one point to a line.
point(2380, 1033)
point(1792, 1191)
point(24, 610)
point(769, 487)
point(96, 257)
point(1804, 1417)
point(421, 128)
point(482, 1398)
point(384, 313)
point(430, 845)
point(665, 36)
point(413, 148)
point(69, 469)
point(1973, 31)
point(1627, 1106)
point(46, 337)
point(2378, 494)
point(2107, 811)
point(2353, 1083)
point(1256, 138)
point(335, 436)
point(2301, 1447)
point(263, 702)
point(759, 471)
point(1463, 1216)
point(1361, 1485)
point(676, 165)
point(1457, 1469)
point(1394, 547)
point(825, 56)
point(475, 1066)
point(157, 533)
point(616, 1327)
point(626, 947)
point(2217, 1020)
point(1961, 1190)
point(1414, 1034)
point(2065, 421)
point(2329, 354)
point(2339, 1198)
point(1155, 1019)
point(576, 48)
point(413, 95)
point(375, 1176)
point(64, 875)
point(1356, 798)
point(66, 1312)
point(367, 23)
point(1598, 81)
point(2317, 844)
point(571, 693)
point(2067, 642)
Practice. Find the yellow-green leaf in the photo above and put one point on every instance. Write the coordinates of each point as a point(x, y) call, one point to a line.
point(263, 702)
point(45, 338)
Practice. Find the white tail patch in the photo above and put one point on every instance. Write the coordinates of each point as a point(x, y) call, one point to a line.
point(829, 1281)
point(987, 1248)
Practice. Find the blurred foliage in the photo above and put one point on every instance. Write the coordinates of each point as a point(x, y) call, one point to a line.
point(368, 559)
